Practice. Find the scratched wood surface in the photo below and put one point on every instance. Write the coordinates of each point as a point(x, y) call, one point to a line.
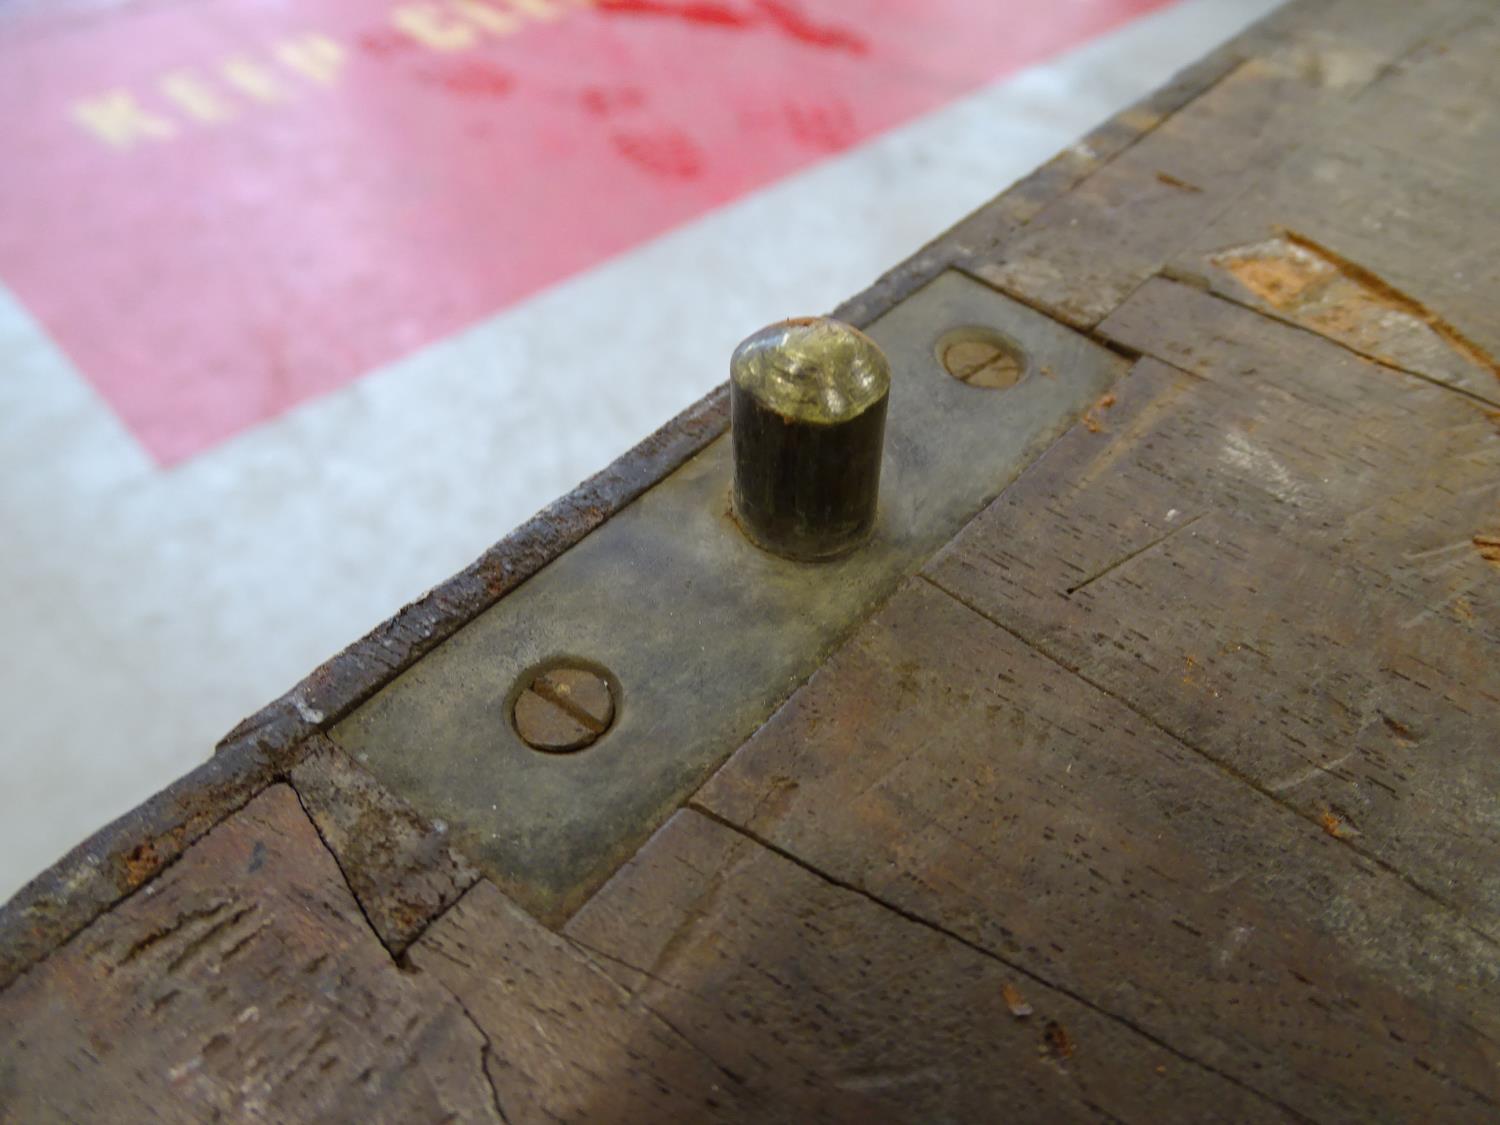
point(569, 1042)
point(1371, 231)
point(729, 941)
point(1362, 70)
point(1165, 792)
point(243, 983)
point(1269, 551)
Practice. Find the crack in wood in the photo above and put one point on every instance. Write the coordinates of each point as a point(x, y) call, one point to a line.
point(486, 1051)
point(1219, 764)
point(1137, 553)
point(986, 952)
point(339, 863)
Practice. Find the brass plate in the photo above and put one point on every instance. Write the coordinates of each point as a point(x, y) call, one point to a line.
point(704, 634)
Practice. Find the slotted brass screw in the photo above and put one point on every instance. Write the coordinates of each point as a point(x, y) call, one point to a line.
point(564, 708)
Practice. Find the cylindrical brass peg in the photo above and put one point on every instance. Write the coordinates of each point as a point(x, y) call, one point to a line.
point(807, 406)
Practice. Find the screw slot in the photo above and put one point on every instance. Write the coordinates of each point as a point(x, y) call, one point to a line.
point(982, 357)
point(563, 707)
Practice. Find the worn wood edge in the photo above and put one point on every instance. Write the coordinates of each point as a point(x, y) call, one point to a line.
point(129, 852)
point(398, 864)
point(346, 680)
point(993, 222)
point(261, 750)
point(1284, 39)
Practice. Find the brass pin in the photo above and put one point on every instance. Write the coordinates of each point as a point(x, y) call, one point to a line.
point(808, 403)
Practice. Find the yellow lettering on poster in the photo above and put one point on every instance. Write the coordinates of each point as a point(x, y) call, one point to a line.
point(536, 9)
point(313, 56)
point(118, 120)
point(490, 19)
point(252, 80)
point(430, 26)
point(194, 98)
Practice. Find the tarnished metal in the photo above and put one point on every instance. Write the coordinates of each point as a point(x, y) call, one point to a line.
point(807, 406)
point(563, 708)
point(704, 633)
point(982, 358)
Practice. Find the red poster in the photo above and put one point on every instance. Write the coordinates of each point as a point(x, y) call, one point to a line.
point(220, 209)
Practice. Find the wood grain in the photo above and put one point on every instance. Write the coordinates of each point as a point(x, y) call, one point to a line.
point(1272, 554)
point(1089, 249)
point(570, 1044)
point(397, 863)
point(1398, 188)
point(1166, 793)
point(242, 984)
point(730, 942)
point(944, 766)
